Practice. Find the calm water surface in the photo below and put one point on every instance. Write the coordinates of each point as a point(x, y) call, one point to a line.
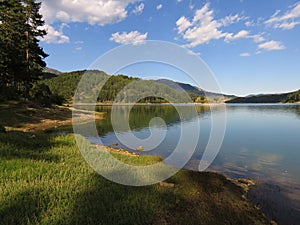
point(261, 141)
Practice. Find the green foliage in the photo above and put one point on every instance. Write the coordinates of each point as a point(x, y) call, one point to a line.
point(21, 57)
point(293, 97)
point(41, 94)
point(113, 87)
point(45, 180)
point(272, 98)
point(198, 98)
point(275, 98)
point(119, 88)
point(65, 84)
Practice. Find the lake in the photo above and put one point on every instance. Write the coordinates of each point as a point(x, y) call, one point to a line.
point(261, 141)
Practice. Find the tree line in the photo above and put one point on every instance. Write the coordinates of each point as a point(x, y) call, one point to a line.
point(21, 56)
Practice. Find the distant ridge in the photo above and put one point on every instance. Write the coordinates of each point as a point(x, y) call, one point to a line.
point(290, 97)
point(65, 84)
point(50, 70)
point(49, 73)
point(192, 89)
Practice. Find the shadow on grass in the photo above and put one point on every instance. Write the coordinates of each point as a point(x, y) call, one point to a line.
point(26, 145)
point(197, 198)
point(19, 114)
point(105, 202)
point(21, 208)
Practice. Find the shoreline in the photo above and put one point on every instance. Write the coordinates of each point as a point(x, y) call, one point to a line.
point(176, 104)
point(244, 183)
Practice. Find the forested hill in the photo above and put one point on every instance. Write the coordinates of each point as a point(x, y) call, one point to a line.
point(290, 97)
point(120, 88)
point(178, 86)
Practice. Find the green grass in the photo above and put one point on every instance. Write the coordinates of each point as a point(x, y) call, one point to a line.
point(45, 180)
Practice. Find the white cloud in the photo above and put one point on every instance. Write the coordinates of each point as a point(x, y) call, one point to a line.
point(202, 29)
point(239, 35)
point(271, 46)
point(183, 24)
point(288, 20)
point(245, 54)
point(139, 9)
point(134, 37)
point(99, 12)
point(159, 7)
point(54, 36)
point(231, 19)
point(244, 34)
point(250, 24)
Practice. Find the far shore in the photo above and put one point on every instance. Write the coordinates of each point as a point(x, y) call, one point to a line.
point(175, 104)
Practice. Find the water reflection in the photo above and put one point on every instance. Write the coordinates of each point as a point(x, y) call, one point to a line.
point(261, 142)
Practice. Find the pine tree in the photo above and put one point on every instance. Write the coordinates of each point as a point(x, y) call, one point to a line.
point(21, 57)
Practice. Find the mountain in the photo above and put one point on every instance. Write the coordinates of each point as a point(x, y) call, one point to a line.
point(118, 88)
point(217, 97)
point(268, 98)
point(65, 84)
point(49, 73)
point(50, 70)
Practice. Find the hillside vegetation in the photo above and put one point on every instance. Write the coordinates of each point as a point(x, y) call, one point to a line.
point(291, 97)
point(119, 88)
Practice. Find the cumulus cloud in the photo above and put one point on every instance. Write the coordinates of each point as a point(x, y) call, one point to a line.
point(182, 24)
point(159, 7)
point(288, 20)
point(134, 37)
point(201, 29)
point(55, 36)
point(271, 46)
point(204, 27)
point(257, 38)
point(139, 9)
point(99, 12)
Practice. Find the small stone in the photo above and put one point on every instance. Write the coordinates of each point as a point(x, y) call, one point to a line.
point(168, 185)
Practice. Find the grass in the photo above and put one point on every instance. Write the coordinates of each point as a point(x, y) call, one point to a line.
point(45, 180)
point(27, 116)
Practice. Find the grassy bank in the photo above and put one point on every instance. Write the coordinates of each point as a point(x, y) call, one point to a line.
point(45, 180)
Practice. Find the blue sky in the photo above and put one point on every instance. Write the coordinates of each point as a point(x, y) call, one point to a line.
point(251, 46)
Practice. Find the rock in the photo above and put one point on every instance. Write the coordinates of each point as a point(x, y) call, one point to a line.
point(140, 148)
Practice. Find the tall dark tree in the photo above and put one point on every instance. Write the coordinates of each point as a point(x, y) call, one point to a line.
point(21, 57)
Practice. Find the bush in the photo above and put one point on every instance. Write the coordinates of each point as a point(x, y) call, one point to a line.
point(41, 94)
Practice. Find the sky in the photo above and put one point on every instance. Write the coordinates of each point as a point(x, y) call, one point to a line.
point(251, 46)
